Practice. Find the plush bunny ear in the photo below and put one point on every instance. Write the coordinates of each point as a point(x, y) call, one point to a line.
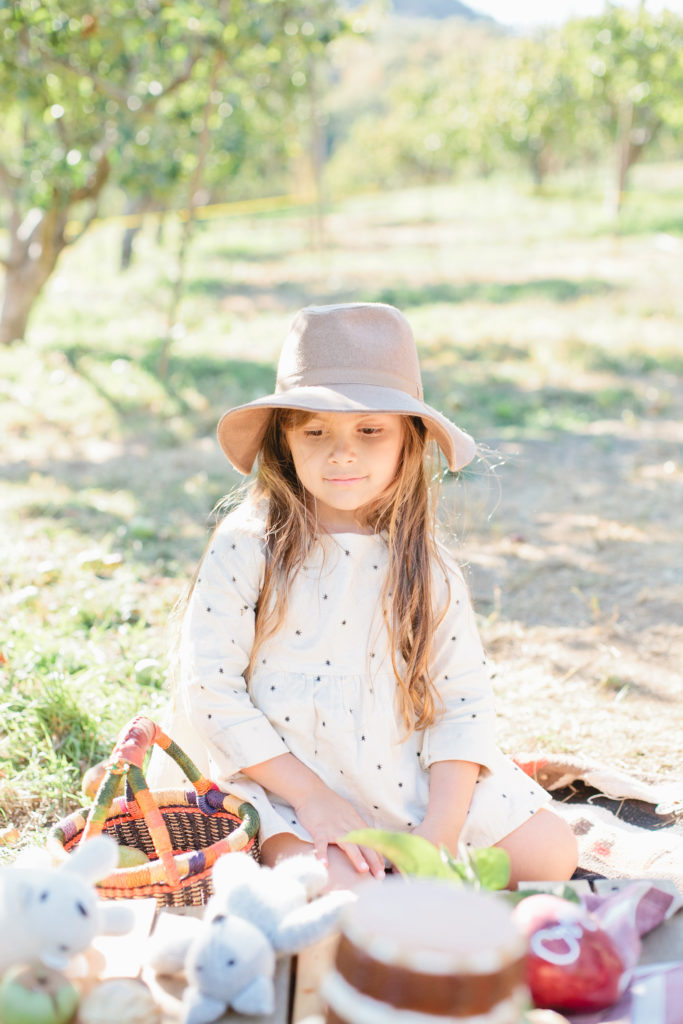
point(232, 870)
point(94, 859)
point(21, 892)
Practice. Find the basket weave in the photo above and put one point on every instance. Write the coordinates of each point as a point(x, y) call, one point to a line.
point(182, 832)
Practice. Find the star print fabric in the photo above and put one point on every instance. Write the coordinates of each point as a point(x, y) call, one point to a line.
point(323, 687)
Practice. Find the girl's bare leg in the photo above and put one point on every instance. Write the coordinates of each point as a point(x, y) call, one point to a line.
point(542, 849)
point(342, 874)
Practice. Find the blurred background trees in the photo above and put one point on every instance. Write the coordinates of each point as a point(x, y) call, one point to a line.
point(125, 108)
point(112, 92)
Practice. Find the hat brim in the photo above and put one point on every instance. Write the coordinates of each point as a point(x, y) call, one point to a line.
point(241, 430)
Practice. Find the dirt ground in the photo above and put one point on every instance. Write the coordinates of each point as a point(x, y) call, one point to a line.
point(578, 577)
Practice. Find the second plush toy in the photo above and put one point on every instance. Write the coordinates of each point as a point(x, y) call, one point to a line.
point(256, 913)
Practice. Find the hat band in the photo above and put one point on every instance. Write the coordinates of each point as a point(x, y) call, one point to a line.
point(337, 375)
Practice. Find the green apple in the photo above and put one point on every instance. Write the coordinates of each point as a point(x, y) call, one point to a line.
point(33, 994)
point(131, 856)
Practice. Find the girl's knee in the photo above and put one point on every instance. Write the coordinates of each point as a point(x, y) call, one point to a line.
point(282, 845)
point(542, 849)
point(562, 847)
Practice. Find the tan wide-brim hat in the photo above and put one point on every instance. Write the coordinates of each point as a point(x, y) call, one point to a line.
point(357, 357)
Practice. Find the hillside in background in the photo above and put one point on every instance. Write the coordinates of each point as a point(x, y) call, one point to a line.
point(437, 9)
point(430, 9)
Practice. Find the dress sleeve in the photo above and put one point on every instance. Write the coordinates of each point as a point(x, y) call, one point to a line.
point(217, 636)
point(465, 731)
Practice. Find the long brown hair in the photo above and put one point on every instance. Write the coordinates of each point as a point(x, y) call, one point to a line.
point(404, 515)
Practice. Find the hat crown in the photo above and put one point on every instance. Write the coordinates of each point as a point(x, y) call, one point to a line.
point(353, 343)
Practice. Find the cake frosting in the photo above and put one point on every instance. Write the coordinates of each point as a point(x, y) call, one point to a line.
point(426, 952)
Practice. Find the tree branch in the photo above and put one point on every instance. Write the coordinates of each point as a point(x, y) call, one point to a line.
point(103, 86)
point(84, 227)
point(107, 88)
point(175, 84)
point(94, 186)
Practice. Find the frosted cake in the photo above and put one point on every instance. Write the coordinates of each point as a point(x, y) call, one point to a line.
point(426, 952)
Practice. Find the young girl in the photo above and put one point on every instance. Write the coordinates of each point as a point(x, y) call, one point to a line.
point(330, 662)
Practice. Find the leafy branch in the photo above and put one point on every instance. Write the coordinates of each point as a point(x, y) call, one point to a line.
point(486, 868)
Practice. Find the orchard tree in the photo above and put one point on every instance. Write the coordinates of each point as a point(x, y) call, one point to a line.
point(421, 106)
point(71, 75)
point(629, 80)
point(533, 104)
point(259, 111)
point(86, 84)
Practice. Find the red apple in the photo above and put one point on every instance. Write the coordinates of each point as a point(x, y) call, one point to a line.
point(572, 963)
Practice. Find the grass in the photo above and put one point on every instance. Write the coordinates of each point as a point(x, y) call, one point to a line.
point(534, 318)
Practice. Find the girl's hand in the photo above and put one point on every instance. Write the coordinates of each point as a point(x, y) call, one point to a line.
point(326, 816)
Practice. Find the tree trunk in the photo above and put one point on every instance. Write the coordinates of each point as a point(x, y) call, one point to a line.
point(134, 207)
point(623, 156)
point(34, 250)
point(631, 143)
point(318, 146)
point(35, 245)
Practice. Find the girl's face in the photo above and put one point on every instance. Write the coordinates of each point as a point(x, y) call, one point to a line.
point(345, 461)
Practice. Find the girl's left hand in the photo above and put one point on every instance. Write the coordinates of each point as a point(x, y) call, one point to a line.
point(325, 815)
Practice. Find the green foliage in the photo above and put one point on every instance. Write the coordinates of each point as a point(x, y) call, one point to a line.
point(156, 93)
point(461, 97)
point(72, 76)
point(128, 82)
point(630, 57)
point(488, 868)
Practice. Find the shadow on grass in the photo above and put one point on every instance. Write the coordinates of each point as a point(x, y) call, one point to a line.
point(242, 254)
point(644, 222)
point(283, 294)
point(454, 379)
point(552, 289)
point(489, 401)
point(288, 294)
point(220, 382)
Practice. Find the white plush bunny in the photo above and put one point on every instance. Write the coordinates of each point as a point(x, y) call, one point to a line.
point(284, 901)
point(230, 964)
point(256, 913)
point(50, 914)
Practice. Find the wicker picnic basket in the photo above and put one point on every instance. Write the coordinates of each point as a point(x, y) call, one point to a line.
point(182, 832)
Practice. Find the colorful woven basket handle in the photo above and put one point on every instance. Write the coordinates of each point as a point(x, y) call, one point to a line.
point(131, 746)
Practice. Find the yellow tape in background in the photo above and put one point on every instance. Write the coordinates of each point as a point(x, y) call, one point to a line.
point(265, 204)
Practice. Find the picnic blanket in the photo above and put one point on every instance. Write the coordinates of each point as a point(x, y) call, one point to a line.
point(652, 995)
point(626, 828)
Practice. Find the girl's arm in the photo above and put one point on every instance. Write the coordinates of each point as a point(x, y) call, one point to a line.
point(323, 813)
point(451, 785)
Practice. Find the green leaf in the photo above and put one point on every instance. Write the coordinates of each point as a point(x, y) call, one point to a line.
point(411, 855)
point(491, 867)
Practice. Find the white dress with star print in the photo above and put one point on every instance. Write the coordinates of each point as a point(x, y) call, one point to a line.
point(324, 689)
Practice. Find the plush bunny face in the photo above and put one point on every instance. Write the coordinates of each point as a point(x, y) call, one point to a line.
point(50, 914)
point(228, 957)
point(62, 912)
